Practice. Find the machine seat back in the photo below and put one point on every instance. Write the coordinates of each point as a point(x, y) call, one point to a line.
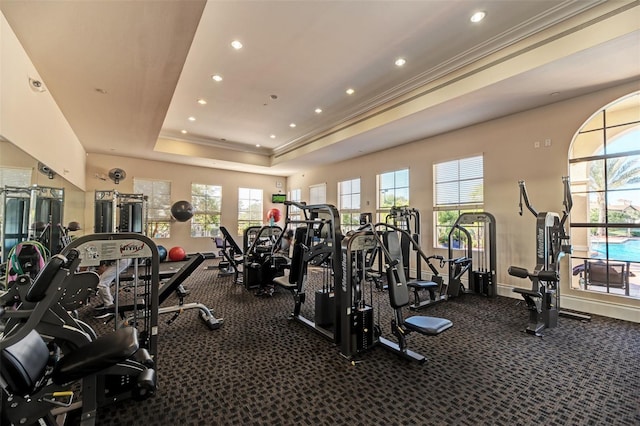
point(396, 279)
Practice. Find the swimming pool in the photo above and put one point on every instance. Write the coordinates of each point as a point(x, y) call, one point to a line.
point(628, 250)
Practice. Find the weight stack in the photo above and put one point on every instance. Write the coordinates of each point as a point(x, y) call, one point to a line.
point(362, 329)
point(484, 283)
point(325, 308)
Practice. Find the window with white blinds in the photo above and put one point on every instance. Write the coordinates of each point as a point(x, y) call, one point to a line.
point(349, 204)
point(459, 183)
point(15, 176)
point(250, 212)
point(158, 205)
point(458, 188)
point(318, 194)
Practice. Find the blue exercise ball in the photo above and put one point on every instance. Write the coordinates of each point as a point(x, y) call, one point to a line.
point(162, 252)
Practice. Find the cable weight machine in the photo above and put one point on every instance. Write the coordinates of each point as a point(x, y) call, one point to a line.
point(117, 212)
point(482, 280)
point(31, 213)
point(552, 244)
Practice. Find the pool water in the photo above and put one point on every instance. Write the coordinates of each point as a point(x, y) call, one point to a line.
point(625, 251)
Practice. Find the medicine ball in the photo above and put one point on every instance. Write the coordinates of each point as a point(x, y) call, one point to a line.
point(162, 253)
point(274, 214)
point(177, 254)
point(182, 210)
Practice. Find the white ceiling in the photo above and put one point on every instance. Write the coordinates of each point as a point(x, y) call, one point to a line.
point(127, 74)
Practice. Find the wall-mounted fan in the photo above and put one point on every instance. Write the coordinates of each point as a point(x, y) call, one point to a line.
point(46, 170)
point(116, 175)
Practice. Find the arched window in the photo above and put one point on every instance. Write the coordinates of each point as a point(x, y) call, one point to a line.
point(604, 166)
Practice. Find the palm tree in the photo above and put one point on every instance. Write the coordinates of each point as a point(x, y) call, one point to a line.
point(621, 172)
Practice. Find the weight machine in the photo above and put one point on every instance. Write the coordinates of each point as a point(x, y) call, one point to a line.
point(111, 367)
point(408, 220)
point(482, 280)
point(317, 242)
point(116, 212)
point(360, 329)
point(31, 213)
point(552, 244)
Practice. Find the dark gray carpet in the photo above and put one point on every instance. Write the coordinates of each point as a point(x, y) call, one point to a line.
point(262, 369)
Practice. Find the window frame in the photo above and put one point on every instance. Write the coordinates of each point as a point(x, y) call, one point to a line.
point(211, 228)
point(597, 186)
point(255, 214)
point(383, 210)
point(158, 217)
point(349, 217)
point(446, 213)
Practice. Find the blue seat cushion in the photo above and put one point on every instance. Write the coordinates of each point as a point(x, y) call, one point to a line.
point(427, 325)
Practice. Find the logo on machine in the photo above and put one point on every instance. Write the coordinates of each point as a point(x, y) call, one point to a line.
point(131, 248)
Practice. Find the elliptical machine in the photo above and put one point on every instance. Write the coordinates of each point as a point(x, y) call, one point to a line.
point(552, 244)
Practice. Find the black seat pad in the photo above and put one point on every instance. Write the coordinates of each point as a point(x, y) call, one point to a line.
point(23, 363)
point(96, 356)
point(427, 325)
point(525, 291)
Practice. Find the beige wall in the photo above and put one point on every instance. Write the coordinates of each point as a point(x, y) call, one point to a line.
point(181, 178)
point(32, 120)
point(509, 155)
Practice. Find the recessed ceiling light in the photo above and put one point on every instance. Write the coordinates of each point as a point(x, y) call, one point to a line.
point(202, 101)
point(272, 136)
point(184, 132)
point(477, 17)
point(555, 94)
point(216, 77)
point(191, 118)
point(236, 44)
point(400, 62)
point(318, 110)
point(350, 91)
point(257, 145)
point(292, 125)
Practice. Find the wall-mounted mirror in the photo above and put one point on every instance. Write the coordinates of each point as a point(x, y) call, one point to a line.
point(36, 202)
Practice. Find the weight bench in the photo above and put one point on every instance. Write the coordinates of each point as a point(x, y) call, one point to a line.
point(174, 284)
point(399, 298)
point(233, 254)
point(419, 285)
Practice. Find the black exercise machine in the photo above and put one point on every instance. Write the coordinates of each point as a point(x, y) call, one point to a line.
point(174, 285)
point(342, 313)
point(118, 212)
point(408, 220)
point(542, 300)
point(37, 387)
point(399, 298)
point(262, 263)
point(482, 279)
point(317, 242)
point(32, 213)
point(552, 244)
point(233, 255)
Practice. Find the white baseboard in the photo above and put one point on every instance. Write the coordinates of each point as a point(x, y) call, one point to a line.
point(588, 306)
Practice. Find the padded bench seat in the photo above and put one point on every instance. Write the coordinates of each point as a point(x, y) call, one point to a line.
point(422, 285)
point(98, 355)
point(430, 326)
point(528, 292)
